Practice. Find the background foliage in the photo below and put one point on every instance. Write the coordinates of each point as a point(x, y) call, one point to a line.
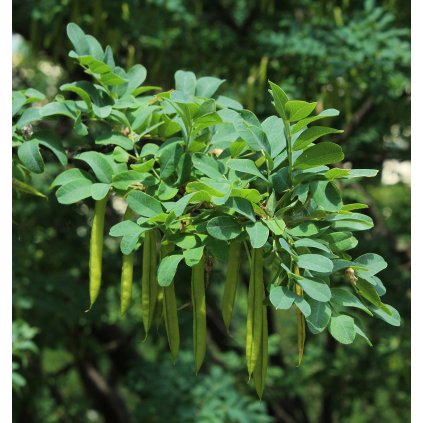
point(71, 366)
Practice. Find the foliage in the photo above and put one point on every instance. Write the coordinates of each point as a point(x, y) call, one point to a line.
point(51, 242)
point(231, 179)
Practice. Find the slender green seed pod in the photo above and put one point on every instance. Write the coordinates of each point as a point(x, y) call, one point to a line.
point(126, 275)
point(260, 370)
point(198, 295)
point(231, 283)
point(170, 310)
point(126, 282)
point(96, 249)
point(171, 319)
point(254, 311)
point(149, 284)
point(300, 322)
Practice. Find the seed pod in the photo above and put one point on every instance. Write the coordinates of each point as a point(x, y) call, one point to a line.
point(260, 370)
point(198, 295)
point(149, 284)
point(126, 282)
point(170, 311)
point(126, 274)
point(231, 283)
point(96, 249)
point(300, 322)
point(254, 311)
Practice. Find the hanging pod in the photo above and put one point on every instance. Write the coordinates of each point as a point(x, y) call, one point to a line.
point(255, 310)
point(231, 283)
point(149, 284)
point(170, 310)
point(260, 370)
point(300, 322)
point(198, 295)
point(96, 249)
point(126, 274)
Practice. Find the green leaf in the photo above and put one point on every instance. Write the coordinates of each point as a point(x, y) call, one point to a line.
point(319, 291)
point(74, 191)
point(126, 227)
point(95, 48)
point(325, 196)
point(361, 333)
point(207, 86)
point(280, 99)
point(56, 108)
point(277, 226)
point(53, 145)
point(304, 122)
point(241, 206)
point(28, 116)
point(342, 328)
point(125, 179)
point(202, 186)
point(167, 269)
point(311, 243)
point(354, 206)
point(27, 189)
point(226, 102)
point(303, 305)
point(351, 222)
point(374, 263)
point(70, 175)
point(245, 166)
point(304, 229)
point(297, 110)
point(367, 291)
point(345, 298)
point(207, 165)
point(136, 76)
point(281, 297)
point(144, 204)
point(319, 316)
point(99, 191)
point(224, 228)
point(315, 263)
point(312, 134)
point(30, 156)
point(341, 241)
point(274, 129)
point(128, 243)
point(120, 155)
point(393, 318)
point(252, 195)
point(115, 138)
point(168, 157)
point(193, 255)
point(258, 234)
point(185, 82)
point(320, 154)
point(337, 173)
point(80, 88)
point(78, 39)
point(254, 136)
point(99, 164)
point(362, 173)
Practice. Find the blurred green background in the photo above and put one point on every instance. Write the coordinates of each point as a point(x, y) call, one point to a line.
point(72, 366)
